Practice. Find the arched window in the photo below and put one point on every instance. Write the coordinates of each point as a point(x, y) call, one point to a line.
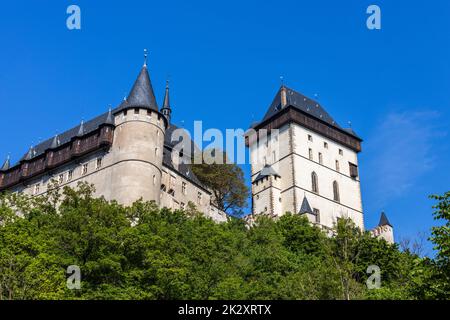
point(314, 183)
point(336, 191)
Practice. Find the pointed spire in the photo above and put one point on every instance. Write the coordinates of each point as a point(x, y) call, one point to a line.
point(6, 165)
point(384, 220)
point(109, 117)
point(80, 129)
point(141, 95)
point(55, 142)
point(166, 109)
point(30, 154)
point(305, 208)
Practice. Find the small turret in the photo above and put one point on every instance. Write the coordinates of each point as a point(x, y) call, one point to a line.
point(384, 229)
point(80, 132)
point(6, 165)
point(166, 110)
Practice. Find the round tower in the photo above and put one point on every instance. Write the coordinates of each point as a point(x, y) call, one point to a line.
point(138, 145)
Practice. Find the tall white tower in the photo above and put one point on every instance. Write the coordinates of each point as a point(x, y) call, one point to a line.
point(303, 162)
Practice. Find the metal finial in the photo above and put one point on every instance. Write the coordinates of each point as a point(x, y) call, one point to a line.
point(145, 57)
point(316, 95)
point(167, 83)
point(282, 81)
point(349, 124)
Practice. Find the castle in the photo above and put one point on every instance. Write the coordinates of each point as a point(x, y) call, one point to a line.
point(130, 153)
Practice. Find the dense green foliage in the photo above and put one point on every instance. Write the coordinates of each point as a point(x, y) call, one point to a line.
point(142, 252)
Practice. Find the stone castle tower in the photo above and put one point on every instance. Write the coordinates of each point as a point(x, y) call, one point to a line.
point(303, 162)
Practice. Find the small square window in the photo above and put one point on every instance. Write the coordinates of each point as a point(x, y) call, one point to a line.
point(84, 170)
point(341, 152)
point(320, 158)
point(310, 154)
point(325, 145)
point(310, 138)
point(136, 111)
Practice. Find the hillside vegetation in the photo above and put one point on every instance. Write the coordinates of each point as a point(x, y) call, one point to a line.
point(142, 252)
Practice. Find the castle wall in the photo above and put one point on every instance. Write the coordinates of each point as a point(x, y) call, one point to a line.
point(177, 192)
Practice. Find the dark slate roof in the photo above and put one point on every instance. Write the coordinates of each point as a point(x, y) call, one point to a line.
point(305, 208)
point(166, 102)
point(65, 137)
point(141, 95)
point(384, 221)
point(305, 104)
point(265, 172)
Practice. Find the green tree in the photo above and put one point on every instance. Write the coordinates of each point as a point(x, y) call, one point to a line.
point(225, 180)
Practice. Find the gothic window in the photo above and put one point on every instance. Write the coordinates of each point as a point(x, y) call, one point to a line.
point(183, 187)
point(337, 165)
point(336, 196)
point(84, 170)
point(314, 183)
point(99, 163)
point(36, 188)
point(320, 158)
point(310, 154)
point(70, 175)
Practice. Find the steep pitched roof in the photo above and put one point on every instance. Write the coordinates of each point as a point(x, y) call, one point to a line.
point(304, 104)
point(141, 94)
point(305, 208)
point(265, 172)
point(384, 220)
point(6, 165)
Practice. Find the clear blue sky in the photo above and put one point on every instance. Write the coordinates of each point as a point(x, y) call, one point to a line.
point(224, 60)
